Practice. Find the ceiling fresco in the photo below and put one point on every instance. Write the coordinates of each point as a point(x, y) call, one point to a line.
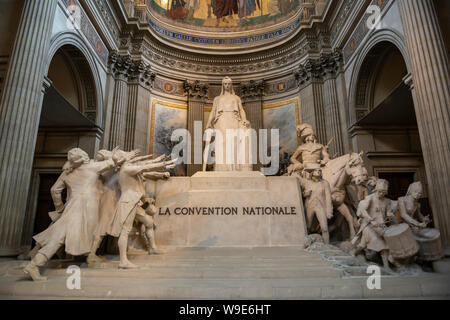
point(236, 14)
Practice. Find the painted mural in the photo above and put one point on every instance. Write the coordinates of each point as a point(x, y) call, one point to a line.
point(223, 13)
point(166, 119)
point(285, 117)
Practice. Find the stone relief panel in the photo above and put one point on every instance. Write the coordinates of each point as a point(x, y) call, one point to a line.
point(284, 116)
point(166, 117)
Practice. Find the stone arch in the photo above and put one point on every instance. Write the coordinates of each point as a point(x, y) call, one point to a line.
point(83, 60)
point(368, 59)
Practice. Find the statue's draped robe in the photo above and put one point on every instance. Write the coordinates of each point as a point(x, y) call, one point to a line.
point(227, 114)
point(75, 228)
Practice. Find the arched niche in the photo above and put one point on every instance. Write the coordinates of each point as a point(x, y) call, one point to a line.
point(71, 117)
point(384, 123)
point(382, 71)
point(83, 62)
point(71, 76)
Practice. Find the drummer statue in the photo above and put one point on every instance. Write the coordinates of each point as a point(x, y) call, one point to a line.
point(408, 207)
point(309, 152)
point(408, 211)
point(374, 211)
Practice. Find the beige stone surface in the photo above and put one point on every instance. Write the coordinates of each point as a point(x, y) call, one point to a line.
point(217, 273)
point(236, 190)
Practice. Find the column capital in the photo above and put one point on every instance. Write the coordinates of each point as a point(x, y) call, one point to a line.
point(311, 71)
point(331, 64)
point(196, 89)
point(252, 90)
point(120, 65)
point(140, 73)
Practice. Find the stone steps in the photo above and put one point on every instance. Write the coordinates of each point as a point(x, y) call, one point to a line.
point(137, 288)
point(202, 273)
point(218, 273)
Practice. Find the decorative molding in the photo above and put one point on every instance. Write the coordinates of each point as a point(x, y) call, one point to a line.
point(88, 30)
point(311, 42)
point(345, 10)
point(108, 18)
point(360, 31)
point(272, 35)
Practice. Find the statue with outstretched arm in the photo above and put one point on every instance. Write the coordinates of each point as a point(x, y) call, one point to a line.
point(132, 191)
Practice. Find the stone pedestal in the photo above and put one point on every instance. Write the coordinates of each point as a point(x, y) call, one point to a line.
point(217, 209)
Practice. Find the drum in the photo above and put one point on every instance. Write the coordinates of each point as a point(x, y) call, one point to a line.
point(430, 244)
point(400, 241)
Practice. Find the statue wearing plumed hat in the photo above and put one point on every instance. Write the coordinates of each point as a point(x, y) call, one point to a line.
point(310, 151)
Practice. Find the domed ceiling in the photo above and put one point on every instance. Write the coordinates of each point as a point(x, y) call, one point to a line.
point(215, 15)
point(229, 24)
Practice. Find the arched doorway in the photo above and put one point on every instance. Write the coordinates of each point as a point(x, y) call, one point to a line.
point(385, 125)
point(68, 120)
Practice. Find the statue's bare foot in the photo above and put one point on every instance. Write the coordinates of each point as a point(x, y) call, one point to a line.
point(127, 265)
point(156, 251)
point(33, 272)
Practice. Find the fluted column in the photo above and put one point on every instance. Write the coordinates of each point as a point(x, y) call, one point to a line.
point(309, 79)
point(197, 93)
point(120, 66)
point(20, 111)
point(136, 129)
point(430, 70)
point(330, 64)
point(252, 94)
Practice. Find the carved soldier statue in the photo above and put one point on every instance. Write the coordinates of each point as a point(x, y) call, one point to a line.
point(309, 152)
point(318, 201)
point(374, 212)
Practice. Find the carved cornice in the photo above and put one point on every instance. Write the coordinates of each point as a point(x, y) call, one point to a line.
point(310, 42)
point(196, 89)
